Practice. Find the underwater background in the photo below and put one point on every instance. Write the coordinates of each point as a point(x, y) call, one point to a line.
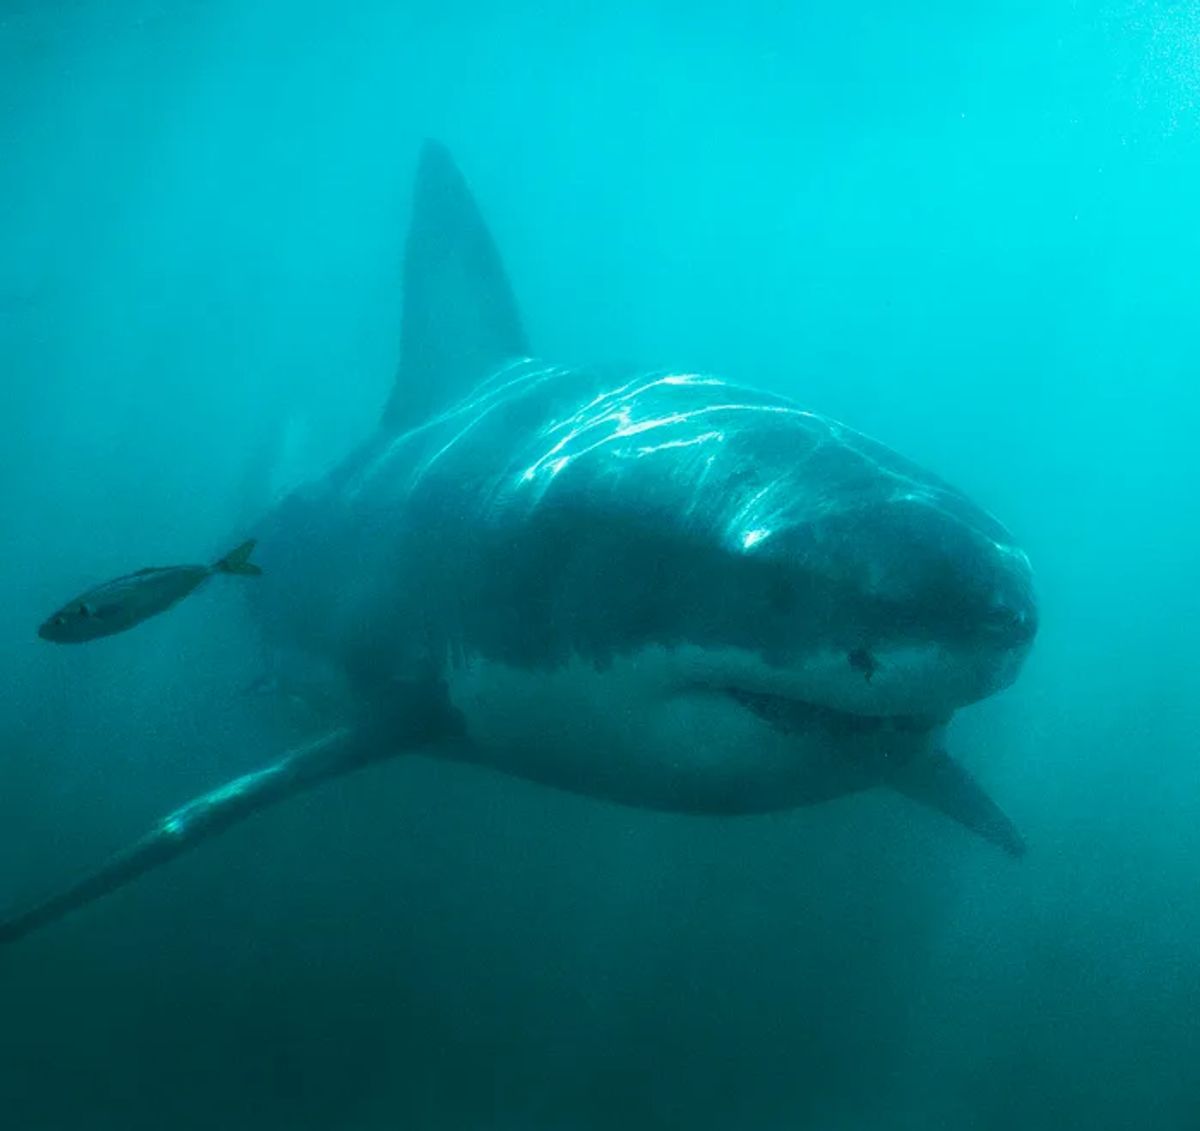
point(968, 230)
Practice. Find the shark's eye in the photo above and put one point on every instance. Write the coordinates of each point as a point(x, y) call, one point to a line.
point(60, 619)
point(85, 610)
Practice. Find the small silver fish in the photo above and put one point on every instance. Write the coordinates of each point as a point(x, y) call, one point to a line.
point(125, 601)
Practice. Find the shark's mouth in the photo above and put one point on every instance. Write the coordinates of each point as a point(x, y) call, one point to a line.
point(799, 716)
point(898, 751)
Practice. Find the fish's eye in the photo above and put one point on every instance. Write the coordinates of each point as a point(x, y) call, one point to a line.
point(85, 610)
point(60, 619)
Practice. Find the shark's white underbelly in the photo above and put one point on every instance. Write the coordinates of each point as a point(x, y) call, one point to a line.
point(636, 730)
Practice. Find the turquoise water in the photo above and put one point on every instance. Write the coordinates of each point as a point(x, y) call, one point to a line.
point(969, 231)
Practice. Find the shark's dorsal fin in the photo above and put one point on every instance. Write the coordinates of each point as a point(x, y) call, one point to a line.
point(460, 317)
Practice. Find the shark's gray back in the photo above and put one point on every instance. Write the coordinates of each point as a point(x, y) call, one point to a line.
point(555, 513)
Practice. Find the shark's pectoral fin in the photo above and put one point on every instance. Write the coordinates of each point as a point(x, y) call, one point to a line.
point(939, 782)
point(418, 719)
point(211, 813)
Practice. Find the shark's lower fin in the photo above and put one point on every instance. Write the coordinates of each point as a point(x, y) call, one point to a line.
point(413, 716)
point(936, 780)
point(336, 753)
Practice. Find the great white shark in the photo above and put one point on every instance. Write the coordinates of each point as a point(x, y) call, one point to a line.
point(659, 589)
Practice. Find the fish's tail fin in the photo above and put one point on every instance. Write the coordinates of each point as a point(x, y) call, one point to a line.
point(238, 561)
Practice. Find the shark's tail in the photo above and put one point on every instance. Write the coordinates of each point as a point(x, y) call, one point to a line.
point(336, 753)
point(238, 561)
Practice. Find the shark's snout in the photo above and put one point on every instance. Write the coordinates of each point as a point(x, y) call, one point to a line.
point(946, 571)
point(926, 596)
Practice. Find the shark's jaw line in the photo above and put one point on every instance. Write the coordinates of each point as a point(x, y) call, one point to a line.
point(796, 716)
point(659, 729)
